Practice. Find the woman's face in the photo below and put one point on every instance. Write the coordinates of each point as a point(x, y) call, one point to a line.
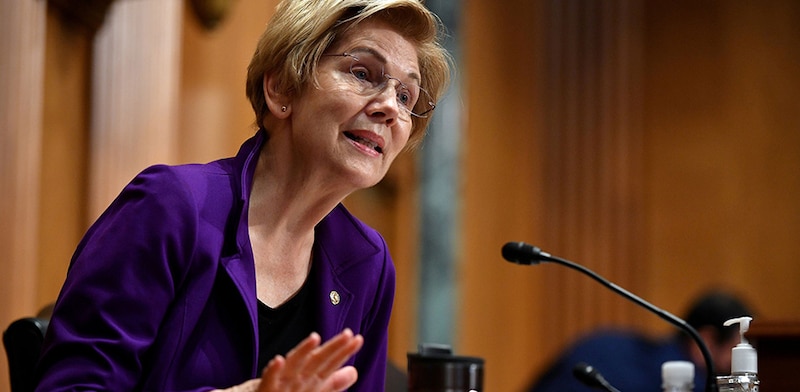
point(353, 125)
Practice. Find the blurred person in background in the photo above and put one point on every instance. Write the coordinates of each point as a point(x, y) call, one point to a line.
point(631, 361)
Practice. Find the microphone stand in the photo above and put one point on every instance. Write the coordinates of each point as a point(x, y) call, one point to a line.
point(538, 256)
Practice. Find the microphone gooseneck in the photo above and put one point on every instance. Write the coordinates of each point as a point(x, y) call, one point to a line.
point(526, 254)
point(589, 375)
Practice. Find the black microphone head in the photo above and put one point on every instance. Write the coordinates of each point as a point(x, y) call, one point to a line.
point(521, 253)
point(586, 373)
point(511, 251)
point(589, 376)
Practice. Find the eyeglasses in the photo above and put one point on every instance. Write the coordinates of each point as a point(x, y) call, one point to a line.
point(369, 78)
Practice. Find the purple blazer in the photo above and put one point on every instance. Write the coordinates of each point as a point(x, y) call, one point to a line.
point(161, 292)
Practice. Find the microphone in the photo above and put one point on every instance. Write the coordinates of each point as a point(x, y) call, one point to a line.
point(525, 254)
point(522, 253)
point(589, 375)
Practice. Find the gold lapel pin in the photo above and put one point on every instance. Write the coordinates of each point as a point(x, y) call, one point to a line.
point(335, 297)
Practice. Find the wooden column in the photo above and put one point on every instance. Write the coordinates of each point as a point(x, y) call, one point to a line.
point(593, 181)
point(553, 157)
point(21, 76)
point(22, 29)
point(135, 94)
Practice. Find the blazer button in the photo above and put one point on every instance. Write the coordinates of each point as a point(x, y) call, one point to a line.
point(335, 297)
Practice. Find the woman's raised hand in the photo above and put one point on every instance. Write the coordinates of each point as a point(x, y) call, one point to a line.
point(310, 367)
point(314, 367)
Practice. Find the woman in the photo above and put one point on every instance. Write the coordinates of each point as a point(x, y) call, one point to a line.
point(197, 277)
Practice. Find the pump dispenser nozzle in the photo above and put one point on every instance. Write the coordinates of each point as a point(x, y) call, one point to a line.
point(743, 357)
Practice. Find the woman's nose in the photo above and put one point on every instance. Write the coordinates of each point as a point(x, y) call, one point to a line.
point(385, 103)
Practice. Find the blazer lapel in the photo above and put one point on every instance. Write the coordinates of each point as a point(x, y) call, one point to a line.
point(333, 299)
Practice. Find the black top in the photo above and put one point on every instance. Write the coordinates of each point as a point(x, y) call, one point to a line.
point(282, 328)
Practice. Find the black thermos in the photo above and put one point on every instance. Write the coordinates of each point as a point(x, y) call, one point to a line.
point(435, 369)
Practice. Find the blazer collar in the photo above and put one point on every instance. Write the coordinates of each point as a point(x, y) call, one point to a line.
point(341, 242)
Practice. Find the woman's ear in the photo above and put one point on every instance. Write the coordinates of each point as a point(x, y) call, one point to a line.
point(277, 101)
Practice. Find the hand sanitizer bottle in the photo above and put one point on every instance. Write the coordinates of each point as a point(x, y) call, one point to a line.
point(677, 376)
point(744, 363)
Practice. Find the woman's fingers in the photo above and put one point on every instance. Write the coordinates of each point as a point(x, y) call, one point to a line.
point(313, 366)
point(271, 379)
point(297, 359)
point(309, 359)
point(331, 358)
point(343, 378)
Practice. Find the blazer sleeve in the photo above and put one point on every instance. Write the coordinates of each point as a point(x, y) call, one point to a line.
point(120, 283)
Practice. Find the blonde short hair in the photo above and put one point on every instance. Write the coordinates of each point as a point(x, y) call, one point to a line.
point(300, 31)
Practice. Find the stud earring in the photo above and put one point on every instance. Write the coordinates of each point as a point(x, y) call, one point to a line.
point(283, 108)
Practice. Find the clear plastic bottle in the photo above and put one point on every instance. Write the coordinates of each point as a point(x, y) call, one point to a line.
point(677, 376)
point(744, 363)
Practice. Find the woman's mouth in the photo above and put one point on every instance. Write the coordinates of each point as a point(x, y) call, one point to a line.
point(364, 141)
